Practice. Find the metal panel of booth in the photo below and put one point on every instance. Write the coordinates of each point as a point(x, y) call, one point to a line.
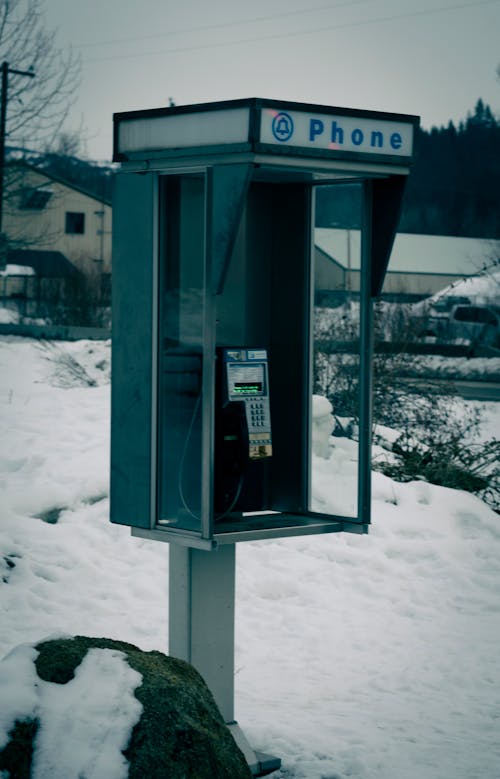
point(134, 242)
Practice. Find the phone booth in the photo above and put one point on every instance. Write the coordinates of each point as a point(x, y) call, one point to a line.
point(218, 267)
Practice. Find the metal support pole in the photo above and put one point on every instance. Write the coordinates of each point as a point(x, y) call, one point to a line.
point(201, 617)
point(366, 356)
point(201, 630)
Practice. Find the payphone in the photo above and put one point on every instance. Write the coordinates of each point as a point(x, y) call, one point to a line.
point(243, 440)
point(215, 260)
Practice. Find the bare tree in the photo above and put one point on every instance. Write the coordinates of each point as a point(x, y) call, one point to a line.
point(37, 107)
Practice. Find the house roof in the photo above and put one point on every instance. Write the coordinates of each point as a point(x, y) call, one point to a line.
point(49, 264)
point(70, 184)
point(412, 253)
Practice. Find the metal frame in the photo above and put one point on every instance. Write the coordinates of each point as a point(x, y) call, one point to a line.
point(195, 539)
point(265, 526)
point(208, 389)
point(155, 309)
point(253, 528)
point(366, 357)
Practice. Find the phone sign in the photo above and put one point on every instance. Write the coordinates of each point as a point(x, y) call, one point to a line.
point(337, 132)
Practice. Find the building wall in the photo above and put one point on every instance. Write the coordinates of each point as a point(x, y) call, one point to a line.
point(47, 227)
point(330, 276)
point(420, 265)
point(422, 284)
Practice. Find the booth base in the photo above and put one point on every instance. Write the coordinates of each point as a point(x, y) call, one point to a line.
point(259, 763)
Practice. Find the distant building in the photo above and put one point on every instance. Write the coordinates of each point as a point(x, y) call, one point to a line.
point(56, 228)
point(43, 212)
point(420, 265)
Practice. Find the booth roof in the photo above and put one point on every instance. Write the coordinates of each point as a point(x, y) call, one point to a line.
point(412, 253)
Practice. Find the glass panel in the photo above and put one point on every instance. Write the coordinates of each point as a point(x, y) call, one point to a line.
point(229, 188)
point(181, 316)
point(336, 350)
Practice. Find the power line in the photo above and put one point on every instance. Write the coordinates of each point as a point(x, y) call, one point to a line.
point(221, 25)
point(275, 36)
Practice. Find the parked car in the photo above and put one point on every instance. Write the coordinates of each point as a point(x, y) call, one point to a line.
point(472, 325)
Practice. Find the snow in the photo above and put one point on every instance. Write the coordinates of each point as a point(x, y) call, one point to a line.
point(17, 270)
point(482, 289)
point(8, 316)
point(468, 368)
point(358, 656)
point(323, 423)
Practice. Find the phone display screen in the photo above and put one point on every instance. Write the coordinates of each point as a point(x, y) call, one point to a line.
point(247, 388)
point(245, 380)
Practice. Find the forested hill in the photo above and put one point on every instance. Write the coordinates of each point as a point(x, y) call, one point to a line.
point(454, 186)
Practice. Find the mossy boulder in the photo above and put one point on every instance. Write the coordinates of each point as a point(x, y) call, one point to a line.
point(180, 734)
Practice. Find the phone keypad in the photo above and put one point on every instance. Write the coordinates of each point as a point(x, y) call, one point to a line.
point(258, 415)
point(258, 418)
point(259, 428)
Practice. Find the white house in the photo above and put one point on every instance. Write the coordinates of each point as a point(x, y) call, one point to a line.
point(56, 228)
point(43, 212)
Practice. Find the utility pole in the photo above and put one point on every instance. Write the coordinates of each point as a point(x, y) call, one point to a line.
point(6, 70)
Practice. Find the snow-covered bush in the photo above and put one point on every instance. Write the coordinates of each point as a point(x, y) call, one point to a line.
point(322, 426)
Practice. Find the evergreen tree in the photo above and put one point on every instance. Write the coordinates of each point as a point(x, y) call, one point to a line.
point(455, 184)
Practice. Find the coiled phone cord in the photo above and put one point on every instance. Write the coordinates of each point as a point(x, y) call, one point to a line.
point(181, 471)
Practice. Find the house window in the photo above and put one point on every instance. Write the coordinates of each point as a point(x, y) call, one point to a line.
point(75, 222)
point(34, 198)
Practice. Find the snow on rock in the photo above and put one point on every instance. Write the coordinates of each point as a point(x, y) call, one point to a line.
point(86, 723)
point(83, 725)
point(18, 683)
point(104, 709)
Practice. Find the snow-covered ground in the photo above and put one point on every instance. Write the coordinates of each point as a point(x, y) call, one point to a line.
point(365, 657)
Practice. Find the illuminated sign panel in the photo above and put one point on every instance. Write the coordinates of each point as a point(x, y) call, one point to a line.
point(180, 131)
point(336, 132)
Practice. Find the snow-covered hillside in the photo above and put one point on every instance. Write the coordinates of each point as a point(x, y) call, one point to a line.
point(366, 657)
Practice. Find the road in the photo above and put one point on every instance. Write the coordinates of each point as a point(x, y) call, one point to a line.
point(470, 390)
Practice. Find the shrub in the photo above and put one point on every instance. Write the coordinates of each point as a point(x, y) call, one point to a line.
point(438, 434)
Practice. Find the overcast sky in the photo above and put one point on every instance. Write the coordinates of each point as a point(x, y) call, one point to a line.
point(433, 59)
